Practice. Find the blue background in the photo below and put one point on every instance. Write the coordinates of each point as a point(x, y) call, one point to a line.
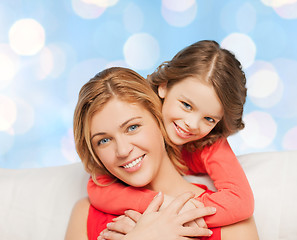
point(49, 49)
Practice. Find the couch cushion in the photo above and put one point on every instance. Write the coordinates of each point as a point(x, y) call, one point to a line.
point(36, 203)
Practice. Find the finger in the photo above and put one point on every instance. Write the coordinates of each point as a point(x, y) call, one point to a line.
point(195, 232)
point(118, 218)
point(155, 204)
point(201, 223)
point(123, 226)
point(193, 214)
point(177, 204)
point(111, 235)
point(133, 215)
point(197, 203)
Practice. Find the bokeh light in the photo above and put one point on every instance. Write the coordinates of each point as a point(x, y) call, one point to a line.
point(289, 140)
point(9, 63)
point(278, 3)
point(87, 9)
point(260, 129)
point(133, 18)
point(288, 11)
point(242, 46)
point(179, 13)
point(141, 51)
point(68, 147)
point(26, 37)
point(8, 113)
point(101, 3)
point(246, 17)
point(25, 117)
point(265, 88)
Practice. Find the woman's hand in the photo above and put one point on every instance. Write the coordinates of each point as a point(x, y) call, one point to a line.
point(166, 225)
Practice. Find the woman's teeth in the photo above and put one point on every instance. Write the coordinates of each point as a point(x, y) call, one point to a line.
point(134, 163)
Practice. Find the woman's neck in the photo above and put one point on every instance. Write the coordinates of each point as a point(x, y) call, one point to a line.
point(170, 182)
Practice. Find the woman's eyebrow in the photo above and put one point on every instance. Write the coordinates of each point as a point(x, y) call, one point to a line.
point(129, 120)
point(121, 126)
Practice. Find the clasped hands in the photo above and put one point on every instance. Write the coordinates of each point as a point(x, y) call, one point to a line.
point(181, 219)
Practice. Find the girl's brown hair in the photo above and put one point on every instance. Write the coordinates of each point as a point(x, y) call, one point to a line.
point(125, 85)
point(207, 61)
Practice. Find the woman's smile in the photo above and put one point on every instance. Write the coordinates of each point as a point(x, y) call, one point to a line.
point(134, 165)
point(127, 140)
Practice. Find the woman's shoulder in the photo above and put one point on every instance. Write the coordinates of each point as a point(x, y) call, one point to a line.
point(77, 226)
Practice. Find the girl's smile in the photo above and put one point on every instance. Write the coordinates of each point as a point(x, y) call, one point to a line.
point(191, 109)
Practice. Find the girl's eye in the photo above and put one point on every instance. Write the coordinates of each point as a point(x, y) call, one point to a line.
point(133, 127)
point(211, 120)
point(103, 141)
point(187, 106)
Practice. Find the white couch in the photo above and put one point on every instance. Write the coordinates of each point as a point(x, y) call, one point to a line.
point(36, 203)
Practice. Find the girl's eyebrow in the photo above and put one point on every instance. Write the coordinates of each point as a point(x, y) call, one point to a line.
point(121, 126)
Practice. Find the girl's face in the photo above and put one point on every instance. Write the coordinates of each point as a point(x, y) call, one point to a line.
point(191, 109)
point(128, 141)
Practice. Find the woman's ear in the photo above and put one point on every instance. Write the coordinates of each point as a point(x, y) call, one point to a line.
point(162, 90)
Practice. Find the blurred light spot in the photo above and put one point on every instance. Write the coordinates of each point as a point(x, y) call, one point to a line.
point(133, 18)
point(87, 10)
point(263, 83)
point(265, 88)
point(62, 54)
point(179, 13)
point(9, 63)
point(46, 62)
point(102, 3)
point(289, 140)
point(277, 3)
point(177, 5)
point(141, 51)
point(242, 46)
point(8, 113)
point(80, 74)
point(260, 129)
point(68, 147)
point(287, 70)
point(6, 142)
point(26, 37)
point(246, 18)
point(288, 11)
point(25, 117)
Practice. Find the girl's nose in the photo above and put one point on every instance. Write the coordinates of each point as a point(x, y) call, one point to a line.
point(192, 123)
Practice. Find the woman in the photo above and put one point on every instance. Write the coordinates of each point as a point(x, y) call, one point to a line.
point(118, 131)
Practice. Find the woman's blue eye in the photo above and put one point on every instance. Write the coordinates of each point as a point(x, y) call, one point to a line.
point(187, 106)
point(133, 127)
point(103, 141)
point(211, 120)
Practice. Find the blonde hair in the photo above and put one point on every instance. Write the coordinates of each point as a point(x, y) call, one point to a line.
point(208, 62)
point(126, 85)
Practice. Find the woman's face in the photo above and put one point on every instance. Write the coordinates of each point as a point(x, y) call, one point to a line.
point(127, 140)
point(190, 110)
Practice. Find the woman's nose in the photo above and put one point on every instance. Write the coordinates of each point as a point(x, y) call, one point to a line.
point(123, 148)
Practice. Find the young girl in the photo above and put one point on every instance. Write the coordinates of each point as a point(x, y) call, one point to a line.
point(203, 92)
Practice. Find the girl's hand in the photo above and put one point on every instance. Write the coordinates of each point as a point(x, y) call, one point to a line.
point(166, 225)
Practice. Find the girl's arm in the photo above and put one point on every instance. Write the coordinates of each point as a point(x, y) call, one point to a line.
point(234, 199)
point(117, 197)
